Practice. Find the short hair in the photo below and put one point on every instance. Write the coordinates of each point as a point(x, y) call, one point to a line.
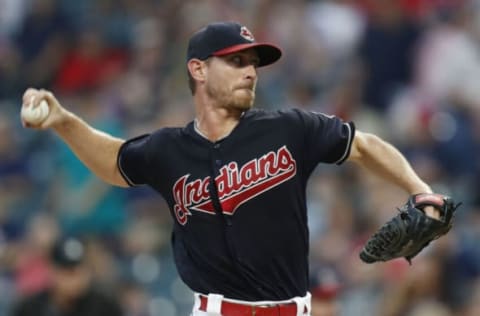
point(191, 82)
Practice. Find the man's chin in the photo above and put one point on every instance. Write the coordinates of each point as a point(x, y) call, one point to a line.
point(244, 105)
point(246, 101)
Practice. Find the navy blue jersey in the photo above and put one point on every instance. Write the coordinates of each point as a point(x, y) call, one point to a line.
point(239, 204)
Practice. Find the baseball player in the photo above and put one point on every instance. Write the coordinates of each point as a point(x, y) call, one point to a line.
point(234, 177)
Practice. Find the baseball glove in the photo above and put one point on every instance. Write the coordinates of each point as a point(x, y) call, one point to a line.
point(407, 233)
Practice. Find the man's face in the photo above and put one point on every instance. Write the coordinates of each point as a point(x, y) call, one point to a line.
point(72, 282)
point(232, 79)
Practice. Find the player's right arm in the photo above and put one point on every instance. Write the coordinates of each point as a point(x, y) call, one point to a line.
point(96, 149)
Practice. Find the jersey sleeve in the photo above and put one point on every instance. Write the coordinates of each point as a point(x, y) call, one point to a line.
point(328, 139)
point(132, 160)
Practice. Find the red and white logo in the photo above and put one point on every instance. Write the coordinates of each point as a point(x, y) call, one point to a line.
point(246, 34)
point(235, 185)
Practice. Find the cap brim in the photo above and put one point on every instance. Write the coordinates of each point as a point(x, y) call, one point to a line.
point(268, 53)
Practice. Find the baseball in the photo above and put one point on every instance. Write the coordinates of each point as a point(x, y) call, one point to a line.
point(35, 115)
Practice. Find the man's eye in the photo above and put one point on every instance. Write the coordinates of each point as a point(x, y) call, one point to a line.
point(237, 60)
point(240, 61)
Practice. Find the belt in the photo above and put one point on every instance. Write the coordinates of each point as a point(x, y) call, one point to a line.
point(238, 309)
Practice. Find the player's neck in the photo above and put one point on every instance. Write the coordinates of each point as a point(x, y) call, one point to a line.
point(216, 124)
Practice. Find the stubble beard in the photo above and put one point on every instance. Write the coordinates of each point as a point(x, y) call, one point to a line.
point(229, 100)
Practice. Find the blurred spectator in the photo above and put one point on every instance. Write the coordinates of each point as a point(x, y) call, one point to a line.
point(85, 204)
point(15, 182)
point(11, 16)
point(72, 291)
point(387, 52)
point(472, 307)
point(448, 68)
point(422, 283)
point(31, 268)
point(338, 25)
point(138, 88)
point(42, 40)
point(430, 309)
point(89, 64)
point(135, 299)
point(325, 288)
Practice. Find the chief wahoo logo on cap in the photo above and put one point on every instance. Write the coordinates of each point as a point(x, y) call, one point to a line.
point(246, 34)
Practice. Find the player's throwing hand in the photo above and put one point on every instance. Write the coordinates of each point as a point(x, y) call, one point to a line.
point(40, 109)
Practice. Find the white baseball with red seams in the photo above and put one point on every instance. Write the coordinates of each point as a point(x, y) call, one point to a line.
point(35, 115)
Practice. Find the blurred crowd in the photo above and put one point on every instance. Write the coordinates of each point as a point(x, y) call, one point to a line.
point(407, 70)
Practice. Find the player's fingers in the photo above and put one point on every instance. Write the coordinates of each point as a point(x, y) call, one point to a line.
point(49, 97)
point(432, 212)
point(33, 97)
point(31, 101)
point(29, 96)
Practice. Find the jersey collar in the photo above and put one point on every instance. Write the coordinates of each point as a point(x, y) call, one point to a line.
point(195, 132)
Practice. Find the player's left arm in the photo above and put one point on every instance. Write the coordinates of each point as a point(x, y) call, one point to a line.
point(383, 159)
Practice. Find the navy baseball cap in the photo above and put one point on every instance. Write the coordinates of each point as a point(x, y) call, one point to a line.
point(222, 38)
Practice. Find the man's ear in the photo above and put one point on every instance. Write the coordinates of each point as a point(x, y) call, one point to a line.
point(196, 67)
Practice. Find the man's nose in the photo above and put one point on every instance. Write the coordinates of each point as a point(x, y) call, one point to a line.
point(251, 72)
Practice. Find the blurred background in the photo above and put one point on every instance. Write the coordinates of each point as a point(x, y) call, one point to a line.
point(407, 70)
